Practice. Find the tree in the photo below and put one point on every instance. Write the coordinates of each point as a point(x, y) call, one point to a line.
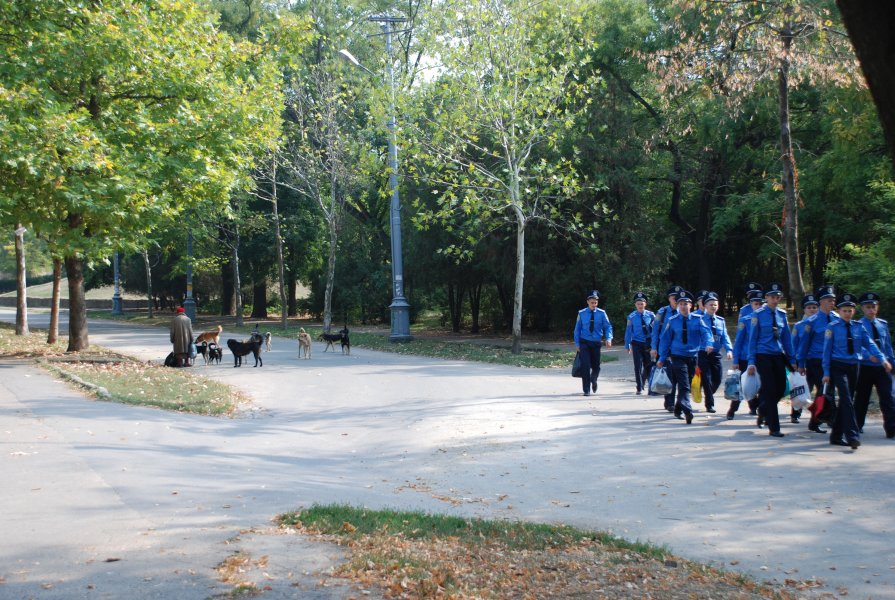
point(513, 85)
point(120, 115)
point(731, 46)
point(871, 27)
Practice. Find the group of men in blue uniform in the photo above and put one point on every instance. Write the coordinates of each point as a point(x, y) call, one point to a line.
point(838, 354)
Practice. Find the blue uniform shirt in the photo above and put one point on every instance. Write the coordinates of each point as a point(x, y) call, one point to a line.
point(741, 342)
point(665, 313)
point(720, 339)
point(602, 328)
point(746, 310)
point(769, 334)
point(881, 338)
point(672, 339)
point(811, 340)
point(639, 328)
point(836, 344)
point(798, 330)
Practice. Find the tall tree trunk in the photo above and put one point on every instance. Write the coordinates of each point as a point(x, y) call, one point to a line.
point(331, 265)
point(148, 267)
point(871, 29)
point(21, 283)
point(259, 300)
point(520, 278)
point(237, 286)
point(475, 305)
point(790, 179)
point(455, 294)
point(227, 288)
point(53, 333)
point(77, 305)
point(284, 311)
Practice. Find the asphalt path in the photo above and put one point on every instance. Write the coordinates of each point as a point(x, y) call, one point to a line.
point(168, 496)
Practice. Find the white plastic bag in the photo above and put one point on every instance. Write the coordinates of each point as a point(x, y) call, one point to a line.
point(749, 385)
point(732, 385)
point(799, 394)
point(660, 383)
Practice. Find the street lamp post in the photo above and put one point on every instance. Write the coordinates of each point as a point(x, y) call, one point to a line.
point(116, 297)
point(189, 305)
point(400, 309)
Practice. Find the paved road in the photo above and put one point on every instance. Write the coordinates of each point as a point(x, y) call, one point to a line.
point(165, 492)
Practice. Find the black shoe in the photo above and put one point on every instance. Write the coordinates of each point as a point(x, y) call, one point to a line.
point(838, 443)
point(816, 429)
point(689, 417)
point(759, 421)
point(586, 393)
point(854, 444)
point(638, 392)
point(730, 413)
point(669, 409)
point(678, 415)
point(711, 410)
point(753, 412)
point(776, 434)
point(594, 386)
point(793, 419)
point(890, 435)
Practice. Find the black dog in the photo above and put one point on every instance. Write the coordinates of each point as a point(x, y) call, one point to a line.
point(341, 337)
point(215, 353)
point(240, 349)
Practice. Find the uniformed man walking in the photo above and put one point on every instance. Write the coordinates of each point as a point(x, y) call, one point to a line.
point(844, 340)
point(810, 306)
point(638, 340)
point(683, 336)
point(770, 352)
point(873, 374)
point(810, 352)
point(592, 328)
point(662, 316)
point(710, 362)
point(741, 349)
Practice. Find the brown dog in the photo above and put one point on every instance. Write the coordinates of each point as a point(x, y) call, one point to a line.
point(210, 336)
point(304, 343)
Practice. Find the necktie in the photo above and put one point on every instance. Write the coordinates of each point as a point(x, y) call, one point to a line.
point(875, 334)
point(775, 326)
point(714, 331)
point(851, 342)
point(684, 331)
point(592, 313)
point(643, 325)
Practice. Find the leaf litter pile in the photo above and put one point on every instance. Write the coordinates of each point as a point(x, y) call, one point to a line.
point(415, 555)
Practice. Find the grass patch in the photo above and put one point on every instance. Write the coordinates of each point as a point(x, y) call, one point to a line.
point(421, 555)
point(123, 379)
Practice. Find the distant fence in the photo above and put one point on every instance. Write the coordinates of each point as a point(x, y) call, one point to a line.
point(98, 304)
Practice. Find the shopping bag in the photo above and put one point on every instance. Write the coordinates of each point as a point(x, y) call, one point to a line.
point(799, 394)
point(696, 387)
point(749, 385)
point(732, 385)
point(576, 365)
point(824, 407)
point(660, 383)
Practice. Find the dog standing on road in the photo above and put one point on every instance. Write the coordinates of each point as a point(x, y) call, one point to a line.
point(210, 336)
point(304, 343)
point(341, 337)
point(240, 349)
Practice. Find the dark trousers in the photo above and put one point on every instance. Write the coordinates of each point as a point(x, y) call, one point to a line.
point(844, 376)
point(772, 371)
point(710, 366)
point(682, 371)
point(643, 364)
point(590, 363)
point(868, 377)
